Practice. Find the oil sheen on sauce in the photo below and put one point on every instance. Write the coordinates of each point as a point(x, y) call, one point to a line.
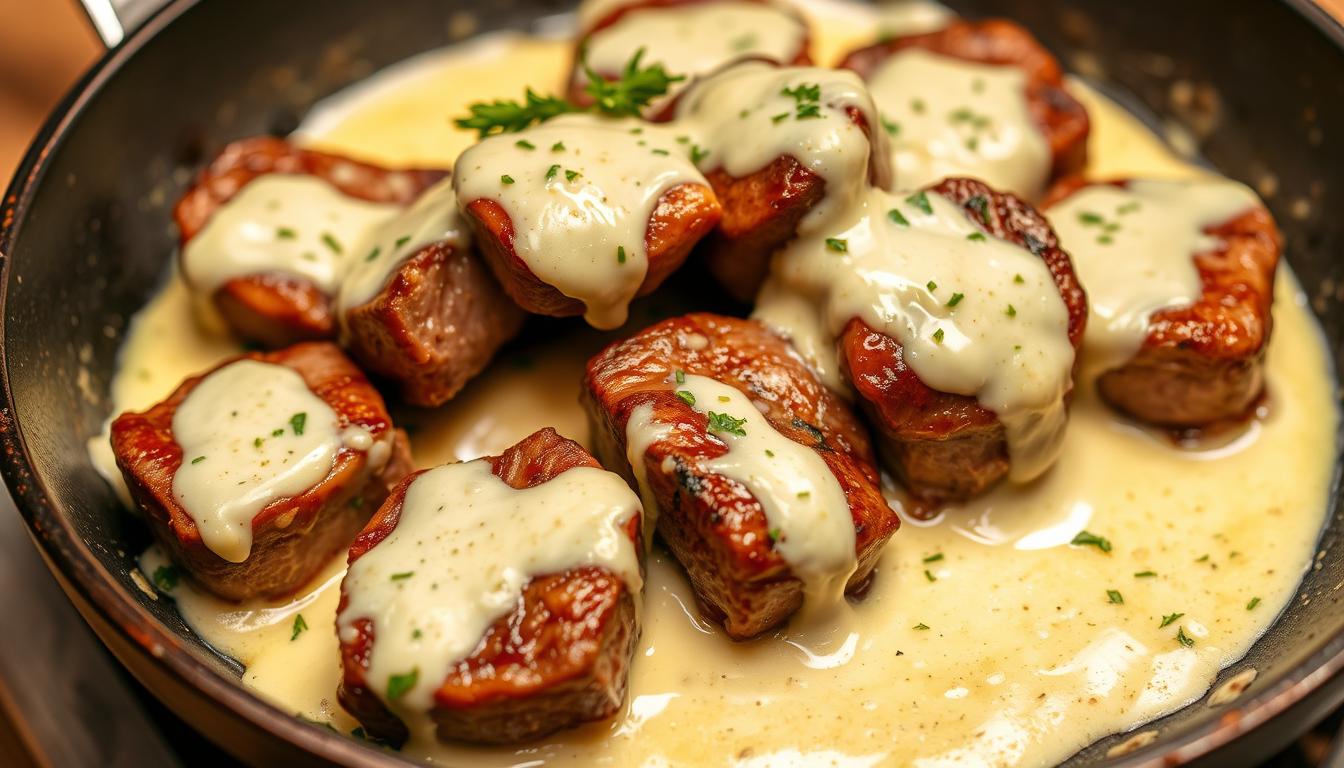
point(465, 545)
point(1158, 226)
point(985, 638)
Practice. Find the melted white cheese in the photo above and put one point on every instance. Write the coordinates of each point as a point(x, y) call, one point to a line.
point(295, 225)
point(251, 433)
point(579, 191)
point(948, 117)
point(382, 249)
point(693, 39)
point(799, 112)
point(976, 315)
point(464, 548)
point(1134, 248)
point(641, 432)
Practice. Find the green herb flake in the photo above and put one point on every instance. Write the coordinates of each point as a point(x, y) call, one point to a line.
point(299, 626)
point(331, 242)
point(1019, 279)
point(404, 239)
point(978, 237)
point(781, 117)
point(917, 106)
point(166, 577)
point(1115, 597)
point(920, 200)
point(373, 254)
point(558, 146)
point(1088, 539)
point(769, 453)
point(1254, 602)
point(1011, 311)
point(297, 421)
point(399, 685)
point(572, 175)
point(285, 233)
point(956, 299)
point(929, 575)
point(506, 179)
point(1183, 638)
point(1090, 219)
point(938, 336)
point(257, 443)
point(775, 534)
point(1203, 559)
point(686, 397)
point(934, 558)
point(680, 376)
point(898, 217)
point(1145, 575)
point(525, 144)
point(892, 128)
point(550, 172)
point(722, 422)
point(1169, 619)
point(837, 244)
point(277, 432)
point(198, 460)
point(921, 626)
point(932, 286)
point(402, 576)
point(698, 154)
point(620, 254)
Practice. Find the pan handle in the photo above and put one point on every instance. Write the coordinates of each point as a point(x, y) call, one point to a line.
point(114, 19)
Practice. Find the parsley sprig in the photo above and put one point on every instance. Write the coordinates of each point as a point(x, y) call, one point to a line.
point(625, 96)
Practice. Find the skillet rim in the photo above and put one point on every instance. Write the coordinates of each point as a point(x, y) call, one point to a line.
point(1315, 684)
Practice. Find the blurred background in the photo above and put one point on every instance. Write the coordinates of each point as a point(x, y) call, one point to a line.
point(63, 700)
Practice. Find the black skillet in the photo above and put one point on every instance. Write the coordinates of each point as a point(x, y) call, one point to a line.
point(86, 235)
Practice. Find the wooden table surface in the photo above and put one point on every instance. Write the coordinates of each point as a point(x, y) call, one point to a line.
point(44, 47)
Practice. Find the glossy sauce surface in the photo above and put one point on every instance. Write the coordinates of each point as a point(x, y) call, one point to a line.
point(985, 638)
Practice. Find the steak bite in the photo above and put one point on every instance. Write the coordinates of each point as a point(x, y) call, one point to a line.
point(999, 334)
point(255, 473)
point(976, 98)
point(688, 38)
point(764, 484)
point(815, 147)
point(1181, 275)
point(421, 308)
point(267, 226)
point(493, 601)
point(582, 214)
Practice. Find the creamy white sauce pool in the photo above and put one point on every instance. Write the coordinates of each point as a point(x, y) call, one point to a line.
point(464, 547)
point(1133, 249)
point(948, 117)
point(1010, 650)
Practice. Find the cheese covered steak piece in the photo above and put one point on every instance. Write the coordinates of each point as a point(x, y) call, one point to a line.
point(255, 473)
point(815, 146)
point(580, 215)
point(493, 601)
point(1181, 282)
point(763, 483)
point(420, 307)
point(688, 38)
point(268, 228)
point(977, 98)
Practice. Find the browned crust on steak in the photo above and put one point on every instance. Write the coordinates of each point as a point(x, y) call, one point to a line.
point(713, 525)
point(561, 658)
point(1062, 119)
point(435, 325)
point(293, 538)
point(272, 309)
point(1203, 363)
point(578, 81)
point(684, 215)
point(944, 446)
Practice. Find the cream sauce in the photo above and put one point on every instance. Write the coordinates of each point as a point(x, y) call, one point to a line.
point(976, 315)
point(281, 223)
point(799, 112)
point(948, 117)
point(383, 248)
point(251, 433)
point(696, 39)
point(1024, 659)
point(1134, 248)
point(579, 191)
point(464, 548)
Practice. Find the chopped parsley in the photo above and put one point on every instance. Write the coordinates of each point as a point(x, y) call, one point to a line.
point(722, 422)
point(1115, 597)
point(685, 397)
point(680, 376)
point(932, 286)
point(891, 127)
point(1011, 311)
point(1145, 575)
point(920, 200)
point(1183, 638)
point(1088, 218)
point(620, 254)
point(938, 336)
point(404, 239)
point(285, 233)
point(775, 534)
point(1088, 539)
point(550, 172)
point(403, 575)
point(929, 575)
point(1254, 602)
point(525, 144)
point(1019, 279)
point(781, 117)
point(956, 299)
point(978, 237)
point(572, 175)
point(258, 442)
point(398, 685)
point(198, 460)
point(297, 421)
point(299, 626)
point(807, 98)
point(373, 254)
point(331, 242)
point(698, 154)
point(166, 577)
point(277, 432)
point(934, 558)
point(898, 217)
point(836, 244)
point(660, 152)
point(1169, 619)
point(917, 106)
point(558, 146)
point(506, 179)
point(921, 626)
